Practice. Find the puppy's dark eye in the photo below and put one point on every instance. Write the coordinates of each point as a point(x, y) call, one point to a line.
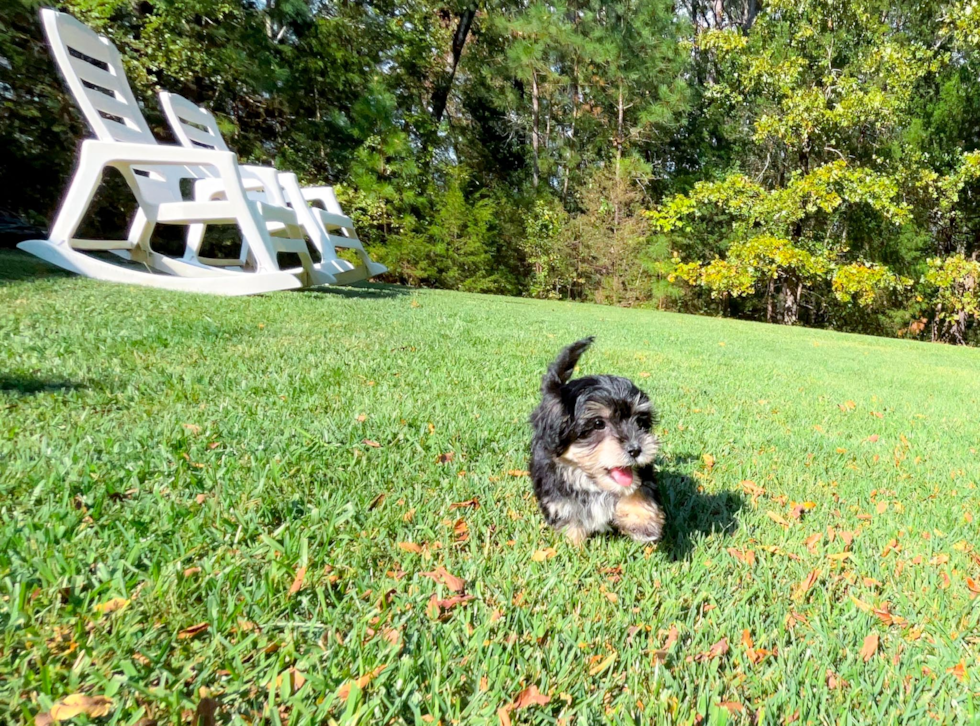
point(643, 422)
point(598, 424)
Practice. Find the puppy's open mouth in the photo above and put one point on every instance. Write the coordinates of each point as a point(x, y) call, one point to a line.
point(622, 475)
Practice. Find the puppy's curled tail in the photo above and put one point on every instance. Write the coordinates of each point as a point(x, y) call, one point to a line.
point(561, 370)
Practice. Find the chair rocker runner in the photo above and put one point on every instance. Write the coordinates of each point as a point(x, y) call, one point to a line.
point(328, 228)
point(94, 73)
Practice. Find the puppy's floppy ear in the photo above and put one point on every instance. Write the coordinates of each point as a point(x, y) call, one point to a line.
point(561, 370)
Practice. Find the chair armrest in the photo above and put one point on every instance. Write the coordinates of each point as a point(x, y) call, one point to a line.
point(118, 152)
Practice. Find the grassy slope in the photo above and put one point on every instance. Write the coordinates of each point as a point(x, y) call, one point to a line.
point(144, 433)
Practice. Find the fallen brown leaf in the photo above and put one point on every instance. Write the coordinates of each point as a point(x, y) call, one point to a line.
point(192, 631)
point(372, 444)
point(446, 458)
point(973, 586)
point(190, 571)
point(437, 608)
point(110, 606)
point(542, 555)
point(193, 428)
point(716, 651)
point(518, 472)
point(811, 542)
point(601, 666)
point(732, 707)
point(776, 518)
point(451, 581)
point(474, 503)
point(959, 670)
point(709, 461)
point(297, 581)
point(746, 556)
point(77, 703)
point(869, 648)
point(659, 656)
point(530, 696)
point(750, 487)
point(344, 691)
point(834, 681)
point(800, 591)
point(410, 547)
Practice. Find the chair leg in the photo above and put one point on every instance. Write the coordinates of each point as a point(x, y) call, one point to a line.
point(85, 182)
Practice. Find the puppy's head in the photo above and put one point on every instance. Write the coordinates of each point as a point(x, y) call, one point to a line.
point(598, 426)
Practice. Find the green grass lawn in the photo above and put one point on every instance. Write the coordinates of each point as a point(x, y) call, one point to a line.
point(258, 487)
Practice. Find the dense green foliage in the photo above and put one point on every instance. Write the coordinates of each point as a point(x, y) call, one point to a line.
point(796, 161)
point(183, 458)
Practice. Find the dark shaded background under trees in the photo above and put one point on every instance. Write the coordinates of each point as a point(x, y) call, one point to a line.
point(800, 162)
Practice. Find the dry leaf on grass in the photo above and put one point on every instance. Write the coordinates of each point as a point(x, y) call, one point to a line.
point(752, 489)
point(755, 655)
point(439, 609)
point(474, 503)
point(746, 556)
point(776, 518)
point(542, 555)
point(410, 547)
point(881, 613)
point(732, 707)
point(193, 428)
point(192, 631)
point(800, 591)
point(959, 671)
point(518, 472)
point(709, 461)
point(716, 651)
point(973, 586)
point(601, 666)
point(75, 704)
point(344, 691)
point(834, 681)
point(446, 458)
point(190, 571)
point(297, 581)
point(451, 581)
point(811, 542)
point(659, 656)
point(110, 606)
point(372, 444)
point(869, 648)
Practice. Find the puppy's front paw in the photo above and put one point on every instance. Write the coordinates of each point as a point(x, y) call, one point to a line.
point(640, 517)
point(576, 535)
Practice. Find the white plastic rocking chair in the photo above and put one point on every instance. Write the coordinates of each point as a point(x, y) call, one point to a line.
point(328, 228)
point(94, 73)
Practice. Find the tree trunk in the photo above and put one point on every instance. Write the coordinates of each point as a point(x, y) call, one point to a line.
point(790, 293)
point(619, 130)
point(534, 124)
point(770, 302)
point(751, 11)
point(440, 96)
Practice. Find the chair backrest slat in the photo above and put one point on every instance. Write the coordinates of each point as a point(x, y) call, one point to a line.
point(93, 70)
point(193, 125)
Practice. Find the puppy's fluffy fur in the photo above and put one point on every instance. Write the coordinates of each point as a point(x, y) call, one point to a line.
point(592, 453)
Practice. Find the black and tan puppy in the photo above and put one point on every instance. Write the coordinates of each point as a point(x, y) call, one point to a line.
point(592, 453)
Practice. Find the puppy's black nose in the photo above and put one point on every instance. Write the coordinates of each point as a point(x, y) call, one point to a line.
point(634, 450)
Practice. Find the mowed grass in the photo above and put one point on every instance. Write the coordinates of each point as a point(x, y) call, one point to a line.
point(184, 458)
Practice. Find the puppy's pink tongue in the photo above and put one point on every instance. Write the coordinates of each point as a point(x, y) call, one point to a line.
point(622, 476)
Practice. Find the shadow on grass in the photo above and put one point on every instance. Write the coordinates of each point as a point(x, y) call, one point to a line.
point(30, 385)
point(369, 291)
point(692, 514)
point(17, 266)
